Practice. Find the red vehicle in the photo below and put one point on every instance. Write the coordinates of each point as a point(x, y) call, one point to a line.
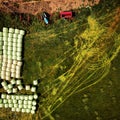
point(66, 15)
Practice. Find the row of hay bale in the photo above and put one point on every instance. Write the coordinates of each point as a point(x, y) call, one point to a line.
point(19, 103)
point(10, 68)
point(11, 52)
point(12, 43)
point(16, 85)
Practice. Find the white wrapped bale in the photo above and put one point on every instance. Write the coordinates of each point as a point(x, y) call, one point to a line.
point(14, 57)
point(8, 78)
point(20, 36)
point(9, 91)
point(9, 52)
point(14, 101)
point(5, 29)
point(10, 86)
point(10, 57)
point(5, 34)
point(33, 89)
point(14, 44)
point(18, 82)
point(11, 105)
point(25, 106)
point(31, 97)
point(35, 96)
point(25, 102)
point(13, 81)
point(7, 73)
point(21, 97)
point(20, 87)
point(15, 35)
point(18, 74)
point(5, 87)
point(29, 102)
point(14, 62)
point(20, 102)
point(22, 32)
point(11, 30)
point(17, 97)
point(13, 71)
point(13, 66)
point(9, 65)
point(9, 61)
point(9, 39)
point(27, 87)
point(13, 97)
point(30, 106)
point(5, 101)
point(3, 77)
point(19, 63)
point(4, 64)
point(20, 106)
point(17, 31)
point(8, 96)
point(28, 110)
point(33, 107)
point(5, 39)
point(23, 110)
point(4, 83)
point(15, 105)
point(13, 74)
point(6, 105)
point(10, 101)
point(14, 49)
point(32, 112)
point(35, 82)
point(14, 90)
point(26, 97)
point(19, 49)
point(34, 102)
point(14, 54)
point(19, 54)
point(18, 109)
point(13, 109)
point(8, 69)
point(19, 58)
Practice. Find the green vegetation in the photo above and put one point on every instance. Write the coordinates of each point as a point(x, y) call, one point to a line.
point(68, 57)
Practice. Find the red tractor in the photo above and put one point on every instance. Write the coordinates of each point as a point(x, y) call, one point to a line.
point(66, 15)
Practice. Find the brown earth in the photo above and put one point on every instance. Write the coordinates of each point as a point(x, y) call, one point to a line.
point(38, 6)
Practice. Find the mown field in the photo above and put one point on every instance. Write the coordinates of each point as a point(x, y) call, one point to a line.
point(49, 51)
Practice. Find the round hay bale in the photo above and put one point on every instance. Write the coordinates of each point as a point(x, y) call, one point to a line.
point(35, 82)
point(18, 82)
point(22, 32)
point(10, 35)
point(11, 30)
point(20, 87)
point(33, 89)
point(13, 81)
point(15, 35)
point(14, 90)
point(17, 31)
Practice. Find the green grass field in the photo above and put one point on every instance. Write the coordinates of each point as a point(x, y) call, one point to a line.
point(77, 63)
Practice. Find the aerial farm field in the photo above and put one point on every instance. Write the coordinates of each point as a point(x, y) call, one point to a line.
point(76, 61)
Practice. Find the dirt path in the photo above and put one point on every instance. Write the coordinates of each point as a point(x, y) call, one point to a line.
point(50, 6)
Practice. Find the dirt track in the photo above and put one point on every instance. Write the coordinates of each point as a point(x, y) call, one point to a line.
point(50, 6)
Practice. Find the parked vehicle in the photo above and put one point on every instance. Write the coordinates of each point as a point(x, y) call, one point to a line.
point(45, 17)
point(66, 14)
